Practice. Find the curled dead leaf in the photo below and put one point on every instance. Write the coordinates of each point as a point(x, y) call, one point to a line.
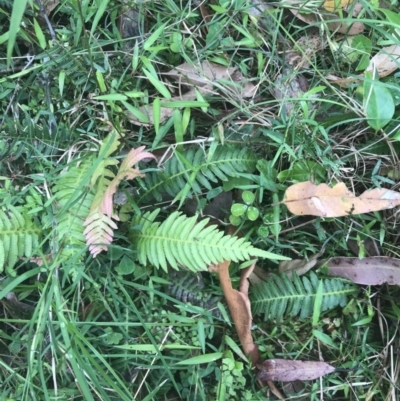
point(240, 309)
point(300, 266)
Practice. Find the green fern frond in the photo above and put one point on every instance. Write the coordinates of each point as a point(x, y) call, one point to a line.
point(280, 296)
point(76, 66)
point(19, 237)
point(225, 162)
point(188, 287)
point(73, 201)
point(180, 240)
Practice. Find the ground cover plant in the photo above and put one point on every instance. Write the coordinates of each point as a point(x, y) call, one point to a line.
point(198, 200)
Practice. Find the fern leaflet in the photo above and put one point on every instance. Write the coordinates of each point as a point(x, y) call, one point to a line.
point(180, 240)
point(280, 296)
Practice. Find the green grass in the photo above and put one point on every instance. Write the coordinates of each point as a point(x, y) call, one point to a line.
point(109, 328)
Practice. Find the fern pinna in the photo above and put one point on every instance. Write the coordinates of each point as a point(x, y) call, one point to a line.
point(194, 170)
point(280, 296)
point(181, 240)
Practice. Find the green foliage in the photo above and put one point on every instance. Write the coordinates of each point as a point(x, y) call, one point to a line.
point(105, 323)
point(241, 211)
point(19, 237)
point(378, 102)
point(280, 296)
point(232, 384)
point(189, 287)
point(195, 170)
point(180, 241)
point(73, 201)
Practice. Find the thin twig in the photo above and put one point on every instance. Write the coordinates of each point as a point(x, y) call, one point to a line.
point(46, 18)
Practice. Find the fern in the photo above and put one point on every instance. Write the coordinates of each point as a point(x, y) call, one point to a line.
point(180, 240)
point(280, 296)
point(73, 201)
point(99, 227)
point(75, 65)
point(188, 287)
point(225, 162)
point(18, 237)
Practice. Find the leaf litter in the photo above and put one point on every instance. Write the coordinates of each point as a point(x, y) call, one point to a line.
point(194, 79)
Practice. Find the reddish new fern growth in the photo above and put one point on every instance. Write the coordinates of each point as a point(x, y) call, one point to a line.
point(99, 231)
point(125, 172)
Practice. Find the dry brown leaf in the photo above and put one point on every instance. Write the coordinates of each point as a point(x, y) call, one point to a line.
point(206, 74)
point(201, 77)
point(239, 307)
point(357, 8)
point(321, 200)
point(385, 61)
point(341, 27)
point(258, 276)
point(50, 5)
point(40, 261)
point(13, 300)
point(342, 82)
point(368, 271)
point(371, 247)
point(308, 18)
point(242, 87)
point(300, 266)
point(205, 13)
point(289, 86)
point(287, 371)
point(336, 5)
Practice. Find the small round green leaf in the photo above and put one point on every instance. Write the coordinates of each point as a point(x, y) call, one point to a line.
point(238, 209)
point(263, 231)
point(248, 197)
point(126, 266)
point(252, 213)
point(235, 220)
